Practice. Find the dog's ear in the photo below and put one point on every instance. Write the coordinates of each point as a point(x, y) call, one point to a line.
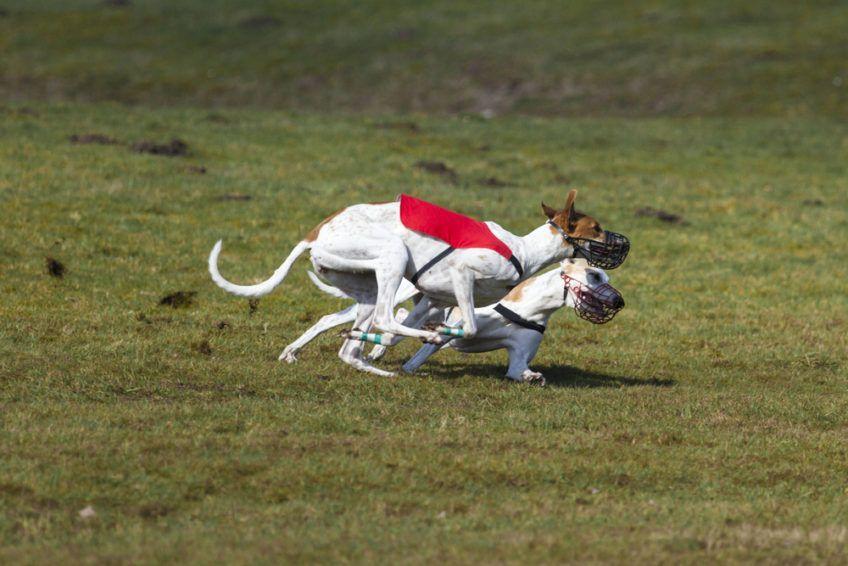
point(549, 212)
point(569, 202)
point(568, 211)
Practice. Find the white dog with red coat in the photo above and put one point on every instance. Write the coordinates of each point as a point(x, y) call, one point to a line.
point(517, 323)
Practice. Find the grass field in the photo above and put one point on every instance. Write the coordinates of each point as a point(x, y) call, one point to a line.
point(706, 421)
point(581, 58)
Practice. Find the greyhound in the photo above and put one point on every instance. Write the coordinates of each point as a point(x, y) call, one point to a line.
point(366, 250)
point(516, 323)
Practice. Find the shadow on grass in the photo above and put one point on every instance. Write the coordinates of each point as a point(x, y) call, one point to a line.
point(556, 376)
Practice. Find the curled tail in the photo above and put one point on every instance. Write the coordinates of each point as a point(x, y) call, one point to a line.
point(259, 289)
point(329, 289)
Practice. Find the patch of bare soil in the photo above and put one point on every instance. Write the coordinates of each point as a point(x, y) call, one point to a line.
point(664, 216)
point(203, 347)
point(98, 139)
point(175, 148)
point(252, 306)
point(438, 168)
point(178, 299)
point(55, 268)
point(197, 169)
point(494, 182)
point(234, 196)
point(410, 127)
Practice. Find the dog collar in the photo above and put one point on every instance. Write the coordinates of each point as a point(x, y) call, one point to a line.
point(513, 316)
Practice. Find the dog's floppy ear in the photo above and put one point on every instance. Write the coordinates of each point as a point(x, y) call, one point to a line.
point(549, 212)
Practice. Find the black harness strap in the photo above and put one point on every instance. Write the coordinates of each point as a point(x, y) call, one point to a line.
point(430, 264)
point(513, 316)
point(512, 259)
point(517, 264)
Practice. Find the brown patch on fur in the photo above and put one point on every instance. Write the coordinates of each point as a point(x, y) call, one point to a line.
point(586, 227)
point(313, 234)
point(518, 291)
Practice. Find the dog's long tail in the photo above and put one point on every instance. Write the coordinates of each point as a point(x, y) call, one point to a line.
point(259, 289)
point(405, 292)
point(329, 289)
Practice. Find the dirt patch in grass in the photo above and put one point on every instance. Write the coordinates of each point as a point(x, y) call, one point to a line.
point(405, 126)
point(659, 214)
point(174, 148)
point(99, 139)
point(494, 183)
point(222, 325)
point(197, 169)
point(438, 168)
point(154, 510)
point(178, 299)
point(203, 347)
point(252, 306)
point(235, 196)
point(55, 268)
point(117, 3)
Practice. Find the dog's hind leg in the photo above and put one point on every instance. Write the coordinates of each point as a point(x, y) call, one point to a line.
point(363, 289)
point(351, 351)
point(387, 260)
point(379, 350)
point(324, 324)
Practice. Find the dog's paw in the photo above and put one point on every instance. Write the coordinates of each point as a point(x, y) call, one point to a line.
point(288, 356)
point(376, 353)
point(533, 378)
point(431, 325)
point(433, 338)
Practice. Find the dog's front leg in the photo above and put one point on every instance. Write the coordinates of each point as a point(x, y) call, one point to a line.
point(463, 289)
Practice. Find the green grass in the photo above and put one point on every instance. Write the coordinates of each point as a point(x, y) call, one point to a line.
point(581, 58)
point(707, 421)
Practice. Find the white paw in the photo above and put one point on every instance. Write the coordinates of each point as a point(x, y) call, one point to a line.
point(376, 353)
point(433, 338)
point(533, 377)
point(288, 356)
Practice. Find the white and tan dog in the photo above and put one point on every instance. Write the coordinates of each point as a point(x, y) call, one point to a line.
point(367, 250)
point(516, 323)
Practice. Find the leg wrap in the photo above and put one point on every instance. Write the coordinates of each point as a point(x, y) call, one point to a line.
point(366, 336)
point(448, 331)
